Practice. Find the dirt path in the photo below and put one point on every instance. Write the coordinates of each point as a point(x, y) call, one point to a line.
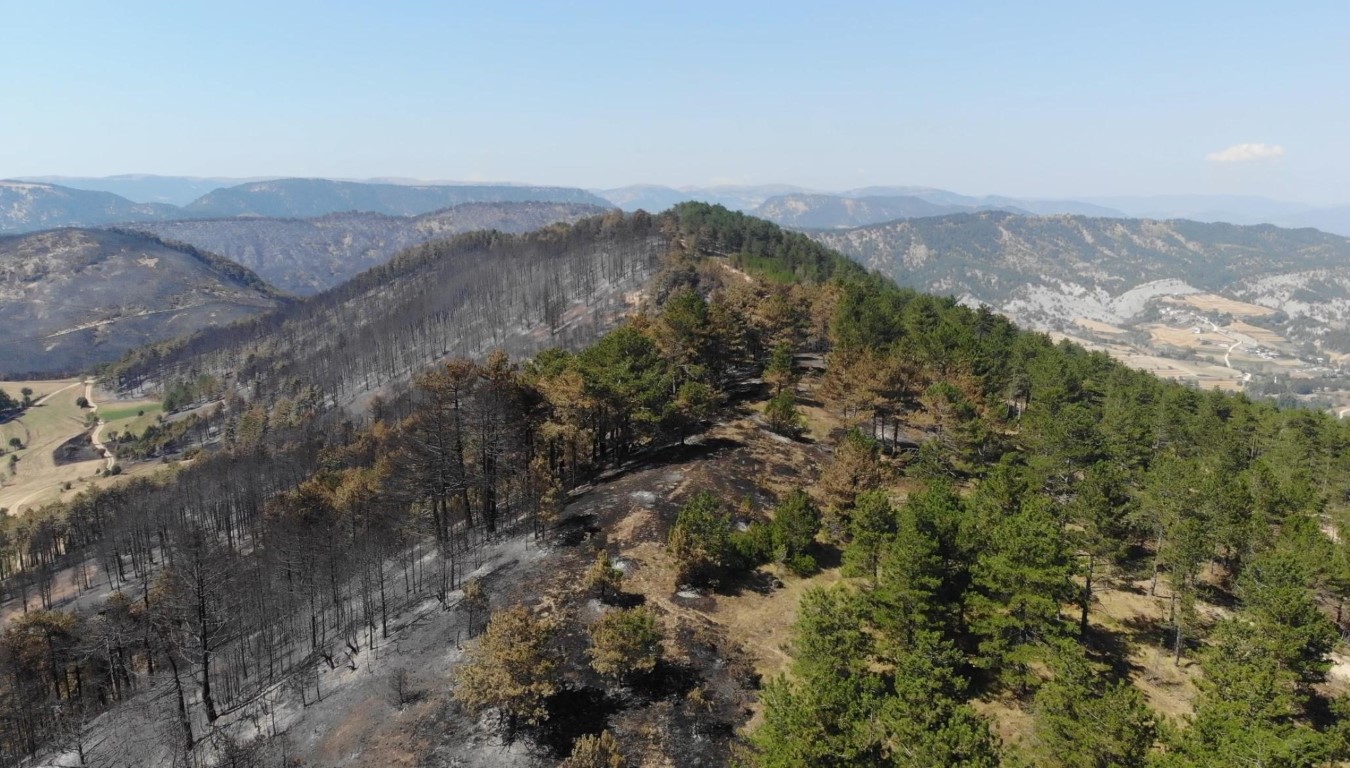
point(43, 400)
point(1246, 377)
point(97, 437)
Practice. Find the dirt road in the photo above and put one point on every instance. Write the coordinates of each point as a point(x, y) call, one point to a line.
point(97, 437)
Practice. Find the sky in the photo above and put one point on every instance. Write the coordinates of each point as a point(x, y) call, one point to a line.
point(1041, 99)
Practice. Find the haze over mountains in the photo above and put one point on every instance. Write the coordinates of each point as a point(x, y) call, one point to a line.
point(57, 201)
point(305, 256)
point(31, 206)
point(1044, 262)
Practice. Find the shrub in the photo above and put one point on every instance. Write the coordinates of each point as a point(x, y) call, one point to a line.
point(602, 578)
point(513, 669)
point(625, 643)
point(782, 415)
point(595, 752)
point(701, 540)
point(796, 522)
point(754, 545)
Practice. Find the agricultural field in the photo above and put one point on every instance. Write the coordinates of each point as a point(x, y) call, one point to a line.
point(133, 416)
point(1210, 303)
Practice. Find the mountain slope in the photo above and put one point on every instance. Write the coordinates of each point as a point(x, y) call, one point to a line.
point(301, 198)
point(306, 256)
point(71, 298)
point(461, 296)
point(28, 206)
point(1049, 270)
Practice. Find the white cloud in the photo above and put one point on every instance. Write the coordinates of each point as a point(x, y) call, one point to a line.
point(1241, 153)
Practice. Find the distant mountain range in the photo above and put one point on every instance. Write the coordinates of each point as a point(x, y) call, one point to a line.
point(1048, 271)
point(27, 206)
point(316, 197)
point(56, 201)
point(305, 256)
point(70, 298)
point(31, 206)
point(146, 188)
point(799, 207)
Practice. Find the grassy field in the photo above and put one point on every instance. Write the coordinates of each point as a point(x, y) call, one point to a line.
point(131, 417)
point(36, 479)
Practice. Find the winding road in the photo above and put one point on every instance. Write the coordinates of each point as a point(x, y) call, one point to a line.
point(97, 437)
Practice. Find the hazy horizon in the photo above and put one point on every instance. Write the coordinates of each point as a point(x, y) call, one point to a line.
point(1058, 101)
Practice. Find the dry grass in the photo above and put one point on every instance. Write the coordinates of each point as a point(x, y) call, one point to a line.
point(1261, 336)
point(1188, 339)
point(1208, 302)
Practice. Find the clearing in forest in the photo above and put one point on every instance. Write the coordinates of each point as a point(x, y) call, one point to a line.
point(57, 458)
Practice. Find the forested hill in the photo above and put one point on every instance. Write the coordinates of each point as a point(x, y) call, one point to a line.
point(1049, 270)
point(300, 198)
point(71, 298)
point(995, 550)
point(464, 295)
point(28, 206)
point(306, 256)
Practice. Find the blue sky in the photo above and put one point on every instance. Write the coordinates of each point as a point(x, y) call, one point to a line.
point(1043, 99)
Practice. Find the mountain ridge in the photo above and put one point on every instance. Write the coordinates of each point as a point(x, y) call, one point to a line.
point(309, 255)
point(77, 297)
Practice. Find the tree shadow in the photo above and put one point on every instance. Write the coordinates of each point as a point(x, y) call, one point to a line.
point(739, 582)
point(1147, 631)
point(1216, 595)
point(573, 713)
point(573, 530)
point(668, 679)
point(1110, 648)
point(827, 555)
point(675, 453)
point(625, 600)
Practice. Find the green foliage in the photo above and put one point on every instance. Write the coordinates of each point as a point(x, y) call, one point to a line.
point(780, 373)
point(823, 715)
point(701, 540)
point(871, 527)
point(796, 521)
point(1084, 721)
point(1276, 595)
point(782, 415)
point(1020, 580)
point(754, 545)
point(759, 246)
